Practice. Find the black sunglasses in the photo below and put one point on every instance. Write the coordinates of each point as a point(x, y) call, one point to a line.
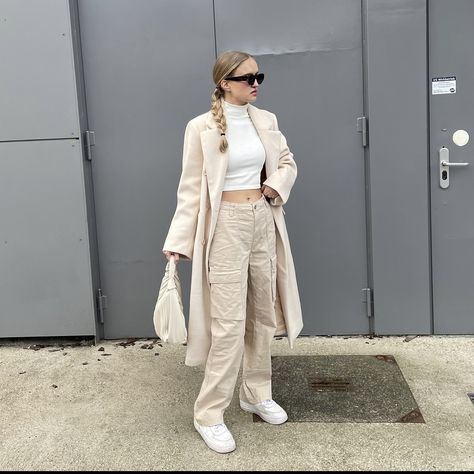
point(250, 78)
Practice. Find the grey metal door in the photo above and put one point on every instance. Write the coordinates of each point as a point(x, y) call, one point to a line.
point(148, 65)
point(45, 265)
point(452, 185)
point(311, 53)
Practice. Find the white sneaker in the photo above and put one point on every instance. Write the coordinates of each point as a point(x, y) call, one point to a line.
point(217, 437)
point(268, 410)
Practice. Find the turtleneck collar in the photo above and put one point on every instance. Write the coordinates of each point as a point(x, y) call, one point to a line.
point(237, 111)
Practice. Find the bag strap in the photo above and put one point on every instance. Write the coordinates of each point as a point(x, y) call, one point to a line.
point(172, 271)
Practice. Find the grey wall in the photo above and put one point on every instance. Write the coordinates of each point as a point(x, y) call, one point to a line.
point(45, 267)
point(47, 263)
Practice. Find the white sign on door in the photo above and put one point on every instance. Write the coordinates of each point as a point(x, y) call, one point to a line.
point(443, 85)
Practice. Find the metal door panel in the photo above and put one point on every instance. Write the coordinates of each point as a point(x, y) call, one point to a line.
point(451, 39)
point(147, 67)
point(45, 285)
point(399, 186)
point(37, 71)
point(311, 53)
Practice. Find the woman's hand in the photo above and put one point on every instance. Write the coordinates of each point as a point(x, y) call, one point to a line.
point(168, 254)
point(269, 192)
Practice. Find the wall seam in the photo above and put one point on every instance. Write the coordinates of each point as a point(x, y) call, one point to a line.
point(428, 137)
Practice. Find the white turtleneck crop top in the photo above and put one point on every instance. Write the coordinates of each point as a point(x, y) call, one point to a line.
point(246, 152)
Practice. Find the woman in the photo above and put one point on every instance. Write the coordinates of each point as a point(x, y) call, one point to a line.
point(237, 172)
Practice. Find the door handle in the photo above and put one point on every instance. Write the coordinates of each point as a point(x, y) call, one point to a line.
point(447, 163)
point(444, 165)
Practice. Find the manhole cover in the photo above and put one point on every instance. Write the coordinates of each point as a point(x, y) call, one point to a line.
point(343, 388)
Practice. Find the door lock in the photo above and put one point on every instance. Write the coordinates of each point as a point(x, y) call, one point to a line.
point(444, 165)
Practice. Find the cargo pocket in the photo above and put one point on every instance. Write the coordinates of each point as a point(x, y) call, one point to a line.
point(273, 262)
point(226, 294)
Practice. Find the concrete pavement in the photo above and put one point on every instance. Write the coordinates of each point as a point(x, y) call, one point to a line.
point(117, 406)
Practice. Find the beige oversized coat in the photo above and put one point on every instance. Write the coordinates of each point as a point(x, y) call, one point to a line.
point(192, 227)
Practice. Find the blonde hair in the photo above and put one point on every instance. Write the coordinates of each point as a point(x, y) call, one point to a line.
point(225, 65)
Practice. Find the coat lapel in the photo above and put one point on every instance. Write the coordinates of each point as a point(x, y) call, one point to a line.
point(215, 164)
point(270, 138)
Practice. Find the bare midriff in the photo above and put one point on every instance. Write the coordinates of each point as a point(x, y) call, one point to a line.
point(242, 195)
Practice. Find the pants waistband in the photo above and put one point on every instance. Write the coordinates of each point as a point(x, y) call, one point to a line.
point(260, 203)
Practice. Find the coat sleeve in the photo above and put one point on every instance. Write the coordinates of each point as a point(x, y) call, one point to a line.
point(182, 231)
point(283, 178)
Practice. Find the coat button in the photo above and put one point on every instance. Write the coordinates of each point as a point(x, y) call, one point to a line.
point(203, 242)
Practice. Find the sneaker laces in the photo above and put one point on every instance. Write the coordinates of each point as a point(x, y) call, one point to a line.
point(218, 428)
point(268, 403)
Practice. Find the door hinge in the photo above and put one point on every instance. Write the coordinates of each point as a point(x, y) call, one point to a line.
point(101, 304)
point(89, 142)
point(368, 298)
point(362, 127)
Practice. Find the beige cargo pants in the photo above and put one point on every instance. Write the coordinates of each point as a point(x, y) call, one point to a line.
point(242, 276)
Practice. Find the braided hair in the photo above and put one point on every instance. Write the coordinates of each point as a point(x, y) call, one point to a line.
point(224, 66)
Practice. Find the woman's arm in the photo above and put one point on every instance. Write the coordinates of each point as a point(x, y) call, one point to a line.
point(283, 178)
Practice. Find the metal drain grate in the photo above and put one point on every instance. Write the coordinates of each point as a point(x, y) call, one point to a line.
point(343, 389)
point(330, 384)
